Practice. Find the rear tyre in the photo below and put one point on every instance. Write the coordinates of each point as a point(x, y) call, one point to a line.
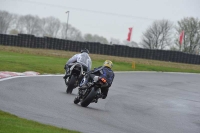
point(89, 98)
point(71, 84)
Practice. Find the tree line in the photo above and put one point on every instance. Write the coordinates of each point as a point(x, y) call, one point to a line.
point(161, 34)
point(49, 26)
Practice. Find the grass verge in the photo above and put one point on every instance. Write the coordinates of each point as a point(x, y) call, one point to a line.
point(13, 124)
point(52, 61)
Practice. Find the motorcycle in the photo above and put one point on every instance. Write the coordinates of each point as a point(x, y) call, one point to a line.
point(76, 72)
point(92, 93)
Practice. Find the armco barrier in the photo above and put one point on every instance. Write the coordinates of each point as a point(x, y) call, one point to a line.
point(30, 41)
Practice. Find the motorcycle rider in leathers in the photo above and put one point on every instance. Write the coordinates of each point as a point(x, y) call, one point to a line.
point(104, 71)
point(83, 58)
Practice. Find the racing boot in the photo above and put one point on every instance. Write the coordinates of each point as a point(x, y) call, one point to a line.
point(104, 96)
point(95, 100)
point(76, 100)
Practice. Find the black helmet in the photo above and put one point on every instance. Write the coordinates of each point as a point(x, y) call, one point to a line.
point(85, 50)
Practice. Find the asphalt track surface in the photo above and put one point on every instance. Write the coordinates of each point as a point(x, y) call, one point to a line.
point(138, 102)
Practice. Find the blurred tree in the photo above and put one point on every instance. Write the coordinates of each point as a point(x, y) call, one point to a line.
point(95, 38)
point(88, 37)
point(70, 33)
point(173, 48)
point(13, 32)
point(100, 39)
point(50, 26)
point(5, 21)
point(191, 39)
point(28, 24)
point(114, 41)
point(19, 25)
point(158, 35)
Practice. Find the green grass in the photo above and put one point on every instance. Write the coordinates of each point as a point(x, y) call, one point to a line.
point(21, 62)
point(13, 124)
point(24, 62)
point(164, 69)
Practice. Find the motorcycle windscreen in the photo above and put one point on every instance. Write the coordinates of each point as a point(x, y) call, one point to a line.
point(84, 59)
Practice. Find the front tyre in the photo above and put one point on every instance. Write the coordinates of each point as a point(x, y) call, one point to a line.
point(71, 84)
point(89, 98)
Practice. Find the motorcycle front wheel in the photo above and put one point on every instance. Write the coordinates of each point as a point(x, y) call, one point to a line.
point(86, 101)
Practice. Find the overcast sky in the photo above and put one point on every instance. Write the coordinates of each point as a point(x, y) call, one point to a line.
point(108, 18)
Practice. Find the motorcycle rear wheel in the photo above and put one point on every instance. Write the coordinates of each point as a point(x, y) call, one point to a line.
point(71, 84)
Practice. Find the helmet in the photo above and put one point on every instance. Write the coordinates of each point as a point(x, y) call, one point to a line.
point(85, 50)
point(108, 63)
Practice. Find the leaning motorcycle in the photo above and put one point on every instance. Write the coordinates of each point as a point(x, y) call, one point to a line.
point(92, 93)
point(76, 72)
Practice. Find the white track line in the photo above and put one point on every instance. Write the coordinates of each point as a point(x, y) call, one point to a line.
point(45, 75)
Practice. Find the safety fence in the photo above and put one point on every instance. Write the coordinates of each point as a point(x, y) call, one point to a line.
point(30, 41)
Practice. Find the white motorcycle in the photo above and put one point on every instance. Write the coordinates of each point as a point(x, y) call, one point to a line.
point(76, 74)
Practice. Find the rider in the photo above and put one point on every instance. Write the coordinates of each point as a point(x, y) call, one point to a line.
point(104, 71)
point(82, 58)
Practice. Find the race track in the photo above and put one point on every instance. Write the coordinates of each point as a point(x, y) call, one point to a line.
point(138, 102)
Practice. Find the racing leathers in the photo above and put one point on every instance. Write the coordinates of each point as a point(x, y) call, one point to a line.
point(82, 58)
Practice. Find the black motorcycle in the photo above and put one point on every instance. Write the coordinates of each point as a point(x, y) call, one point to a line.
point(92, 93)
point(76, 72)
